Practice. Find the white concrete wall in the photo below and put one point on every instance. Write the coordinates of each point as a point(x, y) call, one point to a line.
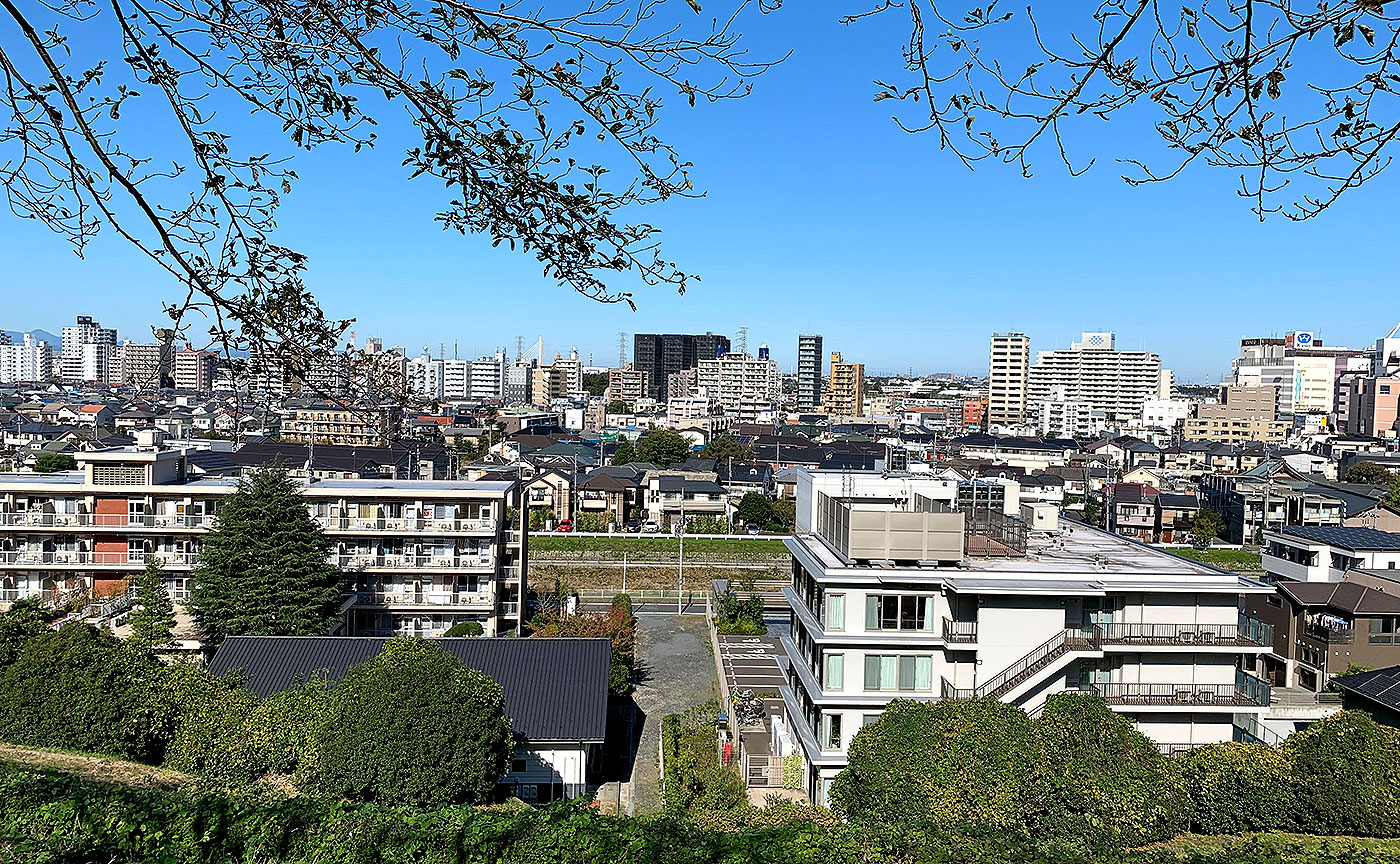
point(1009, 627)
point(1185, 728)
point(558, 765)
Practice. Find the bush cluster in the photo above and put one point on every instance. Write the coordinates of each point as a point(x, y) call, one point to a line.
point(694, 782)
point(616, 624)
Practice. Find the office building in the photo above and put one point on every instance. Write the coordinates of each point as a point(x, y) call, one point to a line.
point(660, 354)
point(1006, 378)
point(31, 360)
point(418, 555)
point(1093, 371)
point(809, 372)
point(1300, 367)
point(845, 390)
point(736, 380)
point(896, 595)
point(1245, 413)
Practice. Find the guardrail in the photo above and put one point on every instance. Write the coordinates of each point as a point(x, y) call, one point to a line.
point(103, 520)
point(412, 562)
point(98, 559)
point(423, 598)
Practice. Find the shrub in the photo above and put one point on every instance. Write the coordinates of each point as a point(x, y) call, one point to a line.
point(616, 624)
point(706, 525)
point(735, 616)
point(1236, 788)
point(24, 621)
point(1346, 776)
point(1095, 781)
point(78, 688)
point(591, 522)
point(942, 767)
point(465, 628)
point(412, 726)
point(694, 781)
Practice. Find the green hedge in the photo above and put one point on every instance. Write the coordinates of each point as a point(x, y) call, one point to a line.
point(1237, 788)
point(694, 780)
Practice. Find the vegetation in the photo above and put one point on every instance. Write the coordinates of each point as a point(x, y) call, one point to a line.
point(625, 453)
point(1241, 560)
point(1237, 788)
point(736, 616)
point(465, 628)
point(694, 780)
point(47, 463)
point(723, 447)
point(617, 406)
point(652, 548)
point(706, 525)
point(413, 726)
point(594, 522)
point(616, 624)
point(153, 618)
point(754, 508)
point(20, 624)
point(264, 569)
point(1207, 525)
point(664, 447)
point(595, 383)
point(1367, 473)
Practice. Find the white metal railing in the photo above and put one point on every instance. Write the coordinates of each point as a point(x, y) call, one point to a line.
point(104, 520)
point(406, 523)
point(409, 597)
point(414, 562)
point(98, 559)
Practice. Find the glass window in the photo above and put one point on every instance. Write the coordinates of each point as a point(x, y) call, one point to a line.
point(872, 612)
point(872, 672)
point(906, 673)
point(835, 612)
point(831, 737)
point(835, 671)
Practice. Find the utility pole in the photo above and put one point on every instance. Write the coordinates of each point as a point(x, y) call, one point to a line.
point(680, 558)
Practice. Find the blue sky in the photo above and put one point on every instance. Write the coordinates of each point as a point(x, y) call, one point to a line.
point(820, 216)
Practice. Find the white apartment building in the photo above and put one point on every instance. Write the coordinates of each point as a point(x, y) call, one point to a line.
point(455, 375)
point(194, 370)
point(735, 380)
point(1007, 378)
point(1062, 417)
point(1163, 413)
point(417, 556)
point(425, 376)
point(141, 366)
point(1094, 372)
point(87, 351)
point(31, 360)
point(897, 595)
point(486, 377)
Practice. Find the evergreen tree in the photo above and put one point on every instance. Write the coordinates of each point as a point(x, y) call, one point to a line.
point(153, 619)
point(664, 447)
point(624, 453)
point(265, 569)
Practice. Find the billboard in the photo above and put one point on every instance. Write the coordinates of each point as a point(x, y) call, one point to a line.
point(1300, 339)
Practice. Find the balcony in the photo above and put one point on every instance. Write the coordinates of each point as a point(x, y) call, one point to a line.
point(1331, 635)
point(104, 520)
point(959, 631)
point(414, 562)
point(1285, 568)
point(1249, 632)
point(355, 524)
point(122, 560)
point(423, 598)
point(1247, 691)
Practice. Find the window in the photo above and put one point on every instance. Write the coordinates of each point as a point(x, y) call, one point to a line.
point(835, 612)
point(867, 719)
point(1383, 631)
point(517, 766)
point(893, 672)
point(898, 612)
point(834, 679)
point(831, 731)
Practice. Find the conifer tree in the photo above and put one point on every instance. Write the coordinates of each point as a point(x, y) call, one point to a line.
point(265, 568)
point(624, 452)
point(153, 619)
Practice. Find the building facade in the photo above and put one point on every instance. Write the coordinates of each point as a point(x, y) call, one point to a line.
point(628, 385)
point(809, 372)
point(193, 369)
point(660, 354)
point(1094, 372)
point(352, 425)
point(31, 360)
point(739, 380)
point(1245, 413)
point(1006, 378)
point(845, 390)
point(897, 595)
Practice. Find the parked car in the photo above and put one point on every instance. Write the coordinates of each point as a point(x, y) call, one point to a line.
point(634, 526)
point(650, 526)
point(565, 527)
point(751, 528)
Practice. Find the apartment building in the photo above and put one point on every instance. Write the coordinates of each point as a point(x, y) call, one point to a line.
point(193, 369)
point(1327, 554)
point(363, 426)
point(628, 385)
point(896, 595)
point(145, 367)
point(1373, 407)
point(417, 556)
point(1095, 372)
point(809, 372)
point(1060, 417)
point(660, 354)
point(31, 360)
point(736, 380)
point(1006, 378)
point(1245, 413)
point(549, 383)
point(1251, 504)
point(845, 391)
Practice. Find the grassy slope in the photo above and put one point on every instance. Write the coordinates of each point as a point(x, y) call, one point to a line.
point(654, 548)
point(1230, 559)
point(103, 769)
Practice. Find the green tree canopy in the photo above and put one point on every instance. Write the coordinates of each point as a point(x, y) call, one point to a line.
point(1368, 473)
point(47, 463)
point(664, 447)
point(413, 726)
point(1346, 776)
point(727, 447)
point(624, 453)
point(617, 406)
point(22, 622)
point(80, 688)
point(616, 624)
point(754, 507)
point(265, 569)
point(153, 618)
point(1207, 525)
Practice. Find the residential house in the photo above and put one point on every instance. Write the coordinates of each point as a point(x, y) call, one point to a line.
point(1327, 554)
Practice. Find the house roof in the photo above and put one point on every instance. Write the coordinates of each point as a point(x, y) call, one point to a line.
point(555, 689)
point(1343, 596)
point(1381, 686)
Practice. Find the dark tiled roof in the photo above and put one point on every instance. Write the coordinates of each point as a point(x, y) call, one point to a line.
point(1381, 686)
point(1350, 597)
point(555, 689)
point(1346, 538)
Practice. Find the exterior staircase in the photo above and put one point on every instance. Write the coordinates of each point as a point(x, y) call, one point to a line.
point(1044, 656)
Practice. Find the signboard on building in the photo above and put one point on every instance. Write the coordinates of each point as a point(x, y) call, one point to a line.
point(1300, 339)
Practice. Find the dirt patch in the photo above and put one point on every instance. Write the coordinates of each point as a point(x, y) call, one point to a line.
point(100, 768)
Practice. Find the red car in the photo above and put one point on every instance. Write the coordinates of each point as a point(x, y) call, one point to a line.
point(565, 527)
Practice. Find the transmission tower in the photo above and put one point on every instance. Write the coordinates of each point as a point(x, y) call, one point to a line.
point(621, 350)
point(743, 340)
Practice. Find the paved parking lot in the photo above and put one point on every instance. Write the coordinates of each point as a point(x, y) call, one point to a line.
point(752, 663)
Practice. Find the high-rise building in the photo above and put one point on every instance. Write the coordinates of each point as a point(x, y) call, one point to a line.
point(1092, 371)
point(145, 367)
point(809, 372)
point(1006, 378)
point(736, 380)
point(551, 382)
point(31, 360)
point(486, 377)
point(845, 391)
point(628, 385)
point(81, 363)
point(660, 354)
point(425, 376)
point(520, 377)
point(1305, 373)
point(194, 370)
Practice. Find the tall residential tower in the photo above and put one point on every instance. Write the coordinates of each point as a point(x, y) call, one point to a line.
point(1006, 378)
point(809, 372)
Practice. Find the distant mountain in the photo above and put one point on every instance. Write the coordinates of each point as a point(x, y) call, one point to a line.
point(17, 337)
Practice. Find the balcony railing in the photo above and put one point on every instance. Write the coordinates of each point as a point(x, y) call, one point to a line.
point(99, 559)
point(423, 598)
point(1250, 632)
point(1331, 635)
point(959, 631)
point(407, 523)
point(104, 520)
point(1246, 691)
point(414, 562)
